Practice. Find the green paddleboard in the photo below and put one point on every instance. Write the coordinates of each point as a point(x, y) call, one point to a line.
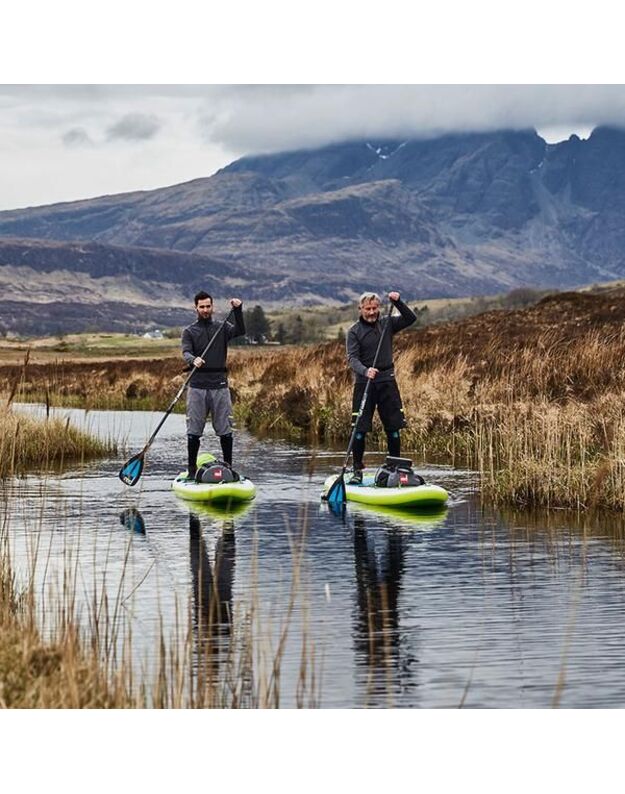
point(219, 493)
point(412, 496)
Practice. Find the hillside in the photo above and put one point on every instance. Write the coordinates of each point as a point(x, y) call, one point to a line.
point(456, 215)
point(49, 287)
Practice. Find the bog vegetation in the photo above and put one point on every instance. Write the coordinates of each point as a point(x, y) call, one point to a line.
point(57, 654)
point(532, 397)
point(27, 443)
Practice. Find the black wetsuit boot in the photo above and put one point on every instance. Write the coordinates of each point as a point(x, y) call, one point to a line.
point(193, 447)
point(358, 452)
point(226, 448)
point(394, 443)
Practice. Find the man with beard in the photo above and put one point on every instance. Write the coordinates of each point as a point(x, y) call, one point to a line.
point(362, 343)
point(208, 391)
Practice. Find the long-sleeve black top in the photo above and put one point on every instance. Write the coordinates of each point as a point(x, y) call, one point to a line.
point(362, 342)
point(213, 373)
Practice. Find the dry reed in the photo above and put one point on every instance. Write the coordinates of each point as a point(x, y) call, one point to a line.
point(57, 654)
point(27, 443)
point(533, 398)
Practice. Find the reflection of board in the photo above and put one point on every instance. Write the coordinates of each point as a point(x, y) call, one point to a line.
point(423, 518)
point(409, 496)
point(220, 511)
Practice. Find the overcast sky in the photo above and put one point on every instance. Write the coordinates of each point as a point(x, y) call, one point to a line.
point(60, 143)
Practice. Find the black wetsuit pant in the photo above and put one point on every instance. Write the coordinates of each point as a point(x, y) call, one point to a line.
point(386, 398)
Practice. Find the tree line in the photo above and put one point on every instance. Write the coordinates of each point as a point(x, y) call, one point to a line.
point(312, 325)
point(292, 329)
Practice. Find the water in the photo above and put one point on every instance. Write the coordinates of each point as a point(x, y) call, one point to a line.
point(470, 607)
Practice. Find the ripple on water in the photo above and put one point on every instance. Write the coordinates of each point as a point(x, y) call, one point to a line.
point(471, 606)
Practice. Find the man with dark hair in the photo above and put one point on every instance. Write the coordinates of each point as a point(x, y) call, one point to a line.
point(208, 391)
point(362, 343)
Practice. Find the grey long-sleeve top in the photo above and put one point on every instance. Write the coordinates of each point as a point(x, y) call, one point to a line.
point(213, 373)
point(362, 342)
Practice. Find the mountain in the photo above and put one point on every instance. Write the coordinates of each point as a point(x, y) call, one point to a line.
point(462, 214)
point(49, 287)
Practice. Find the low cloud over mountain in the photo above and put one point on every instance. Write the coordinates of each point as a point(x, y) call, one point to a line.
point(453, 215)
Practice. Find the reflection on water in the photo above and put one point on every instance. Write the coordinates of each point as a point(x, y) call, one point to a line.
point(132, 519)
point(379, 570)
point(212, 597)
point(211, 586)
point(470, 606)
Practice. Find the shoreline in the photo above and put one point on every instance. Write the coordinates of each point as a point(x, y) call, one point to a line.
point(533, 399)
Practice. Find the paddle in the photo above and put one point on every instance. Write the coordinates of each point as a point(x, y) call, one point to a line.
point(131, 471)
point(337, 494)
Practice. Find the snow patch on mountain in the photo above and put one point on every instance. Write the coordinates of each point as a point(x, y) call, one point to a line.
point(384, 152)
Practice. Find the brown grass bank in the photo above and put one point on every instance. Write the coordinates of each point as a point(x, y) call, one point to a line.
point(27, 443)
point(116, 384)
point(533, 398)
point(62, 671)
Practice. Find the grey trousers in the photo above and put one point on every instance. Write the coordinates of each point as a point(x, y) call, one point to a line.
point(201, 403)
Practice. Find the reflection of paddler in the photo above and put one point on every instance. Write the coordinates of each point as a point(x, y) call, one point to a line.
point(212, 595)
point(379, 558)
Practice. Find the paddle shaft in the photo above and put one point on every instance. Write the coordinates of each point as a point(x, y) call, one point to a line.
point(366, 391)
point(184, 385)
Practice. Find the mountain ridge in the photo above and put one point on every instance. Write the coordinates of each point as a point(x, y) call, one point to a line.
point(461, 214)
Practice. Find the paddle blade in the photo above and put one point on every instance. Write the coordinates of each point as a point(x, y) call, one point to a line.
point(337, 494)
point(132, 519)
point(130, 472)
point(338, 510)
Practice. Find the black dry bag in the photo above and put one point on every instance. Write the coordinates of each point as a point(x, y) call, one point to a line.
point(214, 473)
point(397, 473)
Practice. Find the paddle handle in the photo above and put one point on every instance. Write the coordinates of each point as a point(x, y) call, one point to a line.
point(185, 384)
point(366, 391)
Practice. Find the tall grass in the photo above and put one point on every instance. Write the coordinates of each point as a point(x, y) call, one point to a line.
point(27, 442)
point(60, 670)
point(61, 647)
point(557, 456)
point(532, 398)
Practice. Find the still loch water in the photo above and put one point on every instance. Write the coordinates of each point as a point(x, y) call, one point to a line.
point(471, 607)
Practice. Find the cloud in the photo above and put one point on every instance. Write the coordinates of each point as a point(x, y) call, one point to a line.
point(271, 118)
point(51, 136)
point(134, 127)
point(76, 136)
point(248, 119)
